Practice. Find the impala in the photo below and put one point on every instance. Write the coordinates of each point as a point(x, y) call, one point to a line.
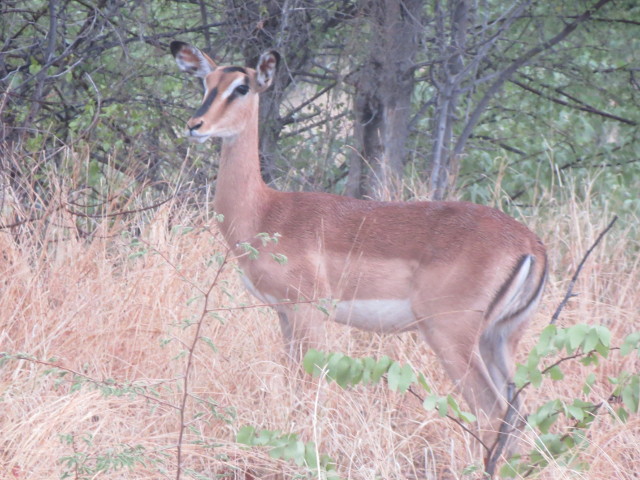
point(466, 276)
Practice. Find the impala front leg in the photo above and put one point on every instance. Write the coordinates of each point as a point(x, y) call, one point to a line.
point(287, 334)
point(302, 329)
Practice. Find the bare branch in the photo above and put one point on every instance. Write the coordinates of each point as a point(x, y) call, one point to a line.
point(584, 107)
point(515, 65)
point(569, 293)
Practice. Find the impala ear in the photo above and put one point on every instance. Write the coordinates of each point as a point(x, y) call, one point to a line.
point(191, 60)
point(266, 69)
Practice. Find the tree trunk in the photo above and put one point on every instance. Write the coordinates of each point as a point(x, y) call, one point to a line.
point(382, 105)
point(448, 81)
point(283, 25)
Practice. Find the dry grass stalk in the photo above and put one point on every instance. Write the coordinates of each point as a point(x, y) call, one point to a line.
point(109, 307)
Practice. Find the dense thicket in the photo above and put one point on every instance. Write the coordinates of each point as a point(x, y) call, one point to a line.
point(372, 93)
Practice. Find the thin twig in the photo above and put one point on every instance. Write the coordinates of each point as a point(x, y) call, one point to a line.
point(569, 293)
point(87, 378)
point(185, 384)
point(450, 417)
point(64, 205)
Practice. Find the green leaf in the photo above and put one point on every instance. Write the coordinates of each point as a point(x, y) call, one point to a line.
point(533, 359)
point(75, 386)
point(575, 412)
point(471, 469)
point(535, 377)
point(508, 470)
point(310, 456)
point(381, 368)
point(630, 343)
point(545, 416)
point(423, 383)
point(246, 435)
point(623, 415)
point(588, 383)
point(560, 338)
point(591, 339)
point(280, 258)
point(590, 359)
point(430, 402)
point(602, 349)
point(521, 377)
point(604, 335)
point(340, 371)
point(545, 341)
point(442, 405)
point(545, 423)
point(631, 394)
point(295, 451)
point(210, 343)
point(400, 378)
point(356, 371)
point(556, 373)
point(552, 443)
point(467, 416)
point(250, 249)
point(368, 365)
point(35, 67)
point(313, 362)
point(288, 447)
point(576, 336)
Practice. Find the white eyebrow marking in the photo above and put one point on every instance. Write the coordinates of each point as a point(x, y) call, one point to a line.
point(206, 90)
point(232, 86)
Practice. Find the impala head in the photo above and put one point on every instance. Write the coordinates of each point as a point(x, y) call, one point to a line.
point(230, 93)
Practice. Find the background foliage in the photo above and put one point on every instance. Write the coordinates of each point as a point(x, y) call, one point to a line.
point(99, 74)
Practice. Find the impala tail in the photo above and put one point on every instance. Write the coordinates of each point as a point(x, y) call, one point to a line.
point(507, 316)
point(519, 294)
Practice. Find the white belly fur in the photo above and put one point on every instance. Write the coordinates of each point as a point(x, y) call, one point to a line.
point(378, 315)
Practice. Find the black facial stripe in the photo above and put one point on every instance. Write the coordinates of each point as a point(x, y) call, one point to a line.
point(234, 69)
point(207, 103)
point(235, 94)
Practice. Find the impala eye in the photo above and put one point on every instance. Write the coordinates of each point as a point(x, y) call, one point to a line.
point(242, 89)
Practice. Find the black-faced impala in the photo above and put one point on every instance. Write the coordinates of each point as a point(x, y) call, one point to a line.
point(466, 276)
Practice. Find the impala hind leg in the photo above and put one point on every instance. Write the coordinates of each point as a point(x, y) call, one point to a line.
point(497, 345)
point(496, 355)
point(454, 339)
point(287, 333)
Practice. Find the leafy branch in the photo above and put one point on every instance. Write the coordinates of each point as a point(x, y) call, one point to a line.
point(289, 447)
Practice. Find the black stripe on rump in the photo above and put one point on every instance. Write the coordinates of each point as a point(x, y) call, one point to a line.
point(207, 103)
point(508, 283)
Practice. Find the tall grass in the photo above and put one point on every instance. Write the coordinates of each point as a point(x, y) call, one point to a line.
point(104, 320)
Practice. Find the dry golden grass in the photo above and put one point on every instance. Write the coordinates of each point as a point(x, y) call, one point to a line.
point(104, 308)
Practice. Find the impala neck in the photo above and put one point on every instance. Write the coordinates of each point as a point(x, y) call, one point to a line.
point(240, 191)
